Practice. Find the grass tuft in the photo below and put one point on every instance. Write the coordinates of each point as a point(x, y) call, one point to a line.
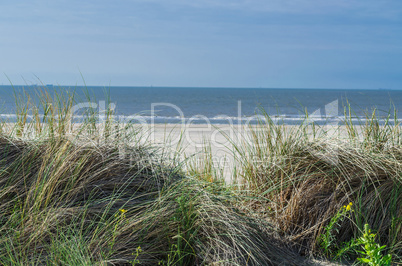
point(96, 192)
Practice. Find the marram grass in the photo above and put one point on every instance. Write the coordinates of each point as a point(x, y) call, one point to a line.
point(71, 194)
point(299, 177)
point(95, 194)
point(65, 202)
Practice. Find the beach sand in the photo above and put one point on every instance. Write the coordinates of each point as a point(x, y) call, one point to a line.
point(192, 141)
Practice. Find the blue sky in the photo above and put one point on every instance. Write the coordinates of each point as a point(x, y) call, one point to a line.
point(239, 43)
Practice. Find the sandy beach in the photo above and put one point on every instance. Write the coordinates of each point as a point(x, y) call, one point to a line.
point(193, 140)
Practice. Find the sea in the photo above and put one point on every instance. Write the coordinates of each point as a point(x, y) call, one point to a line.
point(214, 105)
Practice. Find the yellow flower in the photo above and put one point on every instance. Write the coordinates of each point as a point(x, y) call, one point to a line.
point(122, 211)
point(349, 207)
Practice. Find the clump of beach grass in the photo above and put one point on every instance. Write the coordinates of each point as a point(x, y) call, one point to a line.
point(64, 202)
point(58, 189)
point(301, 176)
point(91, 193)
point(96, 192)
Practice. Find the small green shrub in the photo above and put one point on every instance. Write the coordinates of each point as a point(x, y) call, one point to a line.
point(371, 250)
point(327, 240)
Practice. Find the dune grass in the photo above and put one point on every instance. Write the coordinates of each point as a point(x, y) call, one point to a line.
point(93, 193)
point(96, 192)
point(300, 177)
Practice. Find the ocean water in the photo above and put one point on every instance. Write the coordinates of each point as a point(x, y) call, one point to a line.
point(218, 105)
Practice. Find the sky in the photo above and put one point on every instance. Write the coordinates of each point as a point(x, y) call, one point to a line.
point(211, 43)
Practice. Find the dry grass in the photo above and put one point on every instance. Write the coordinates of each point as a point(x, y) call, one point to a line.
point(57, 191)
point(301, 177)
point(81, 195)
point(74, 195)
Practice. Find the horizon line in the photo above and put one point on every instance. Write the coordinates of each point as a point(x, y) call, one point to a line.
point(189, 87)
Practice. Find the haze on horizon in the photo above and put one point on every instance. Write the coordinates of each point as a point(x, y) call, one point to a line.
point(210, 43)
